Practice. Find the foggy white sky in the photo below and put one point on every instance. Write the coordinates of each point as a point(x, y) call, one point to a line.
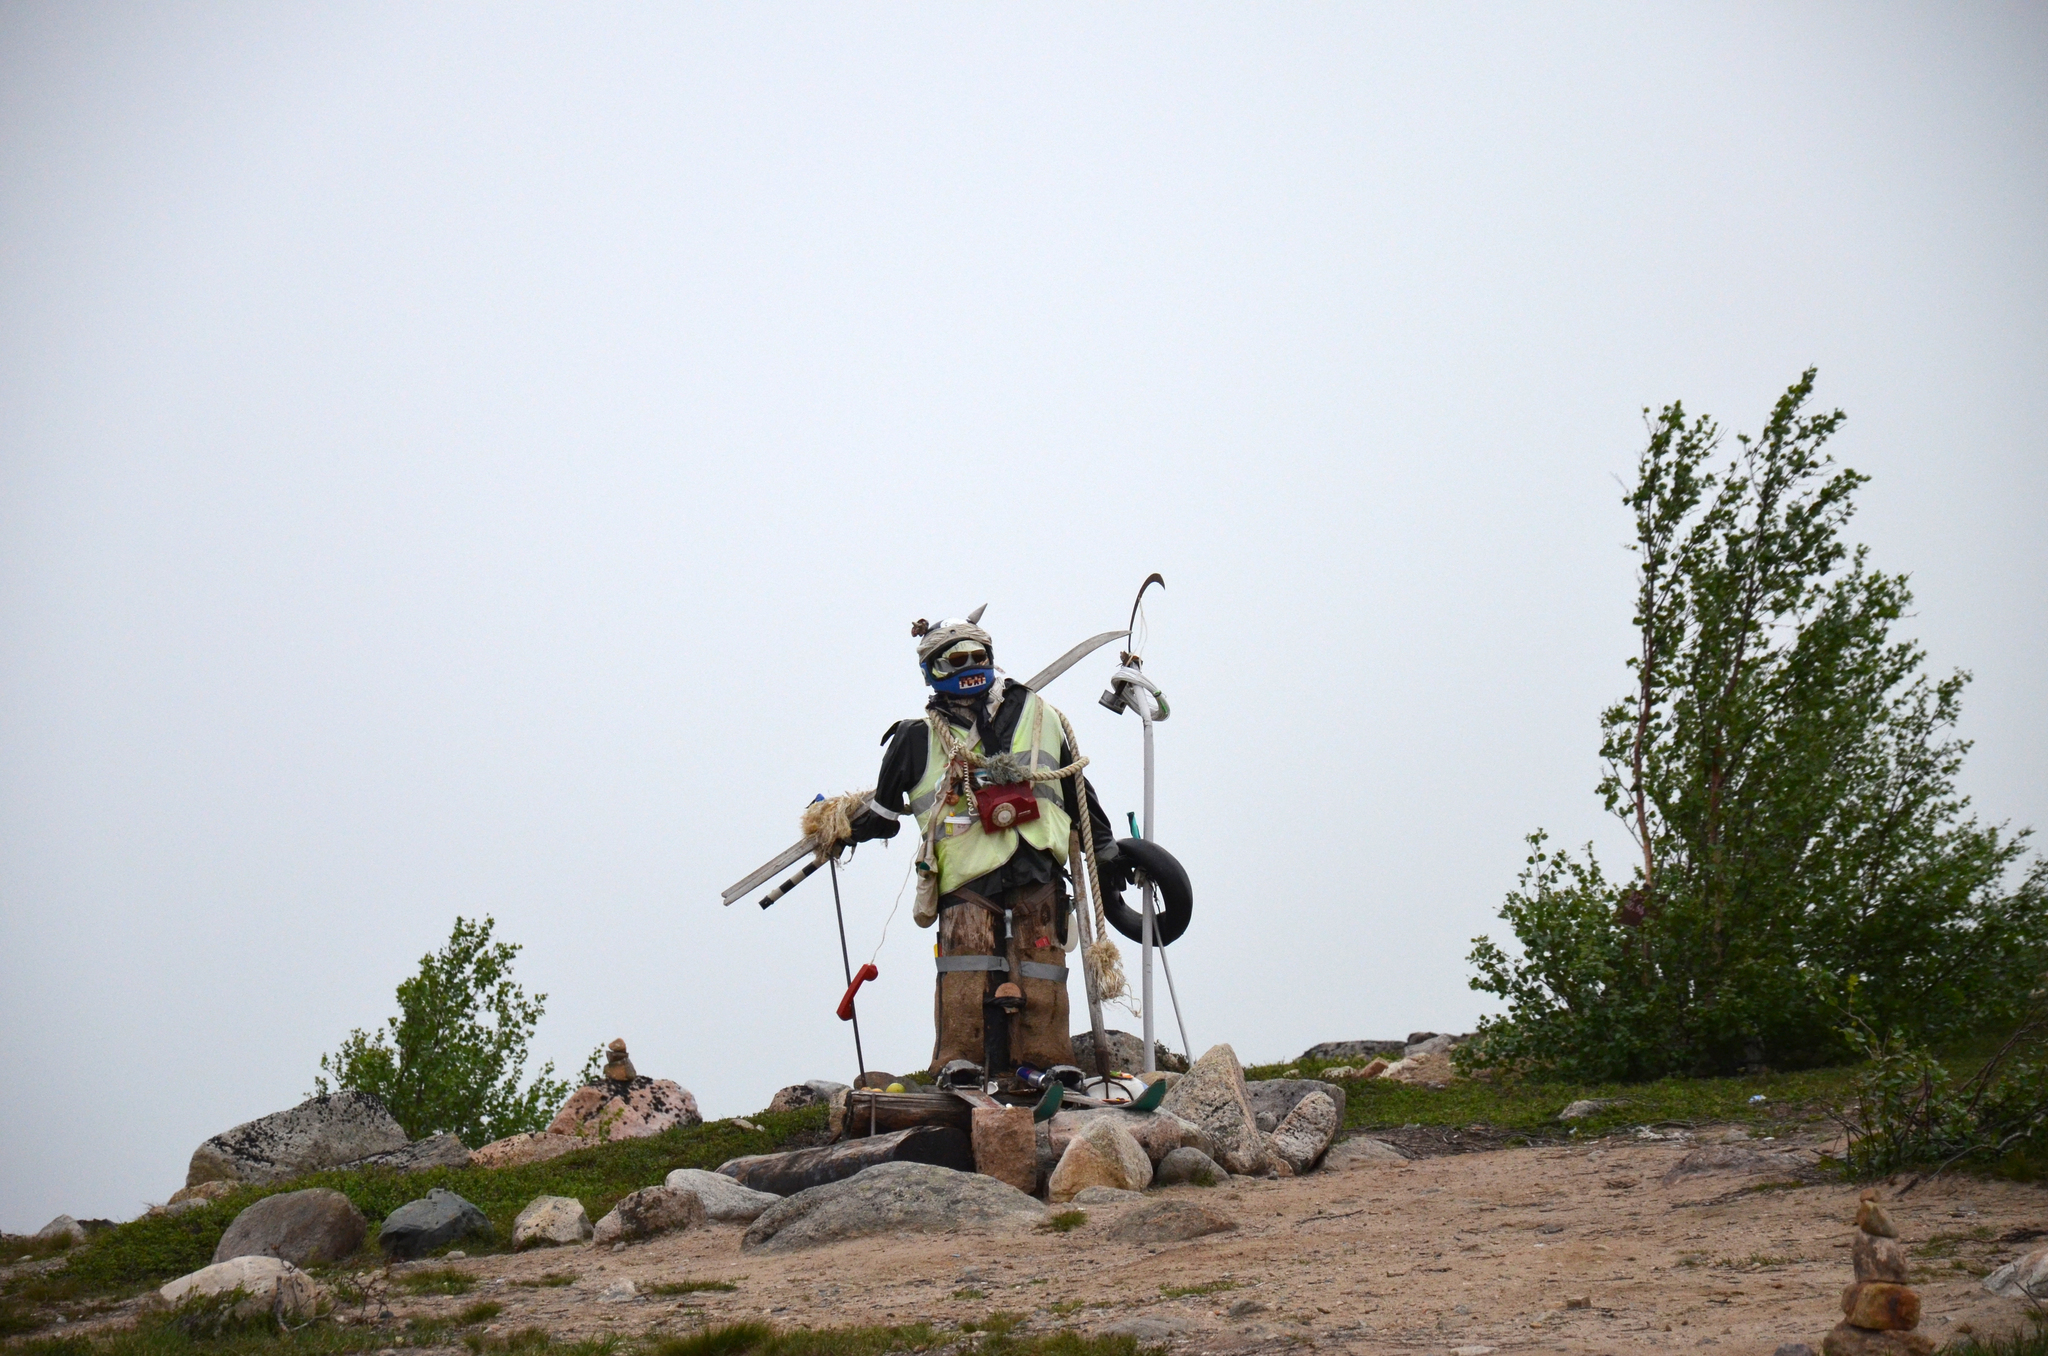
point(462, 460)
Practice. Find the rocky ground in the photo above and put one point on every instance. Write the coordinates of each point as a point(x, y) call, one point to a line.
point(1703, 1239)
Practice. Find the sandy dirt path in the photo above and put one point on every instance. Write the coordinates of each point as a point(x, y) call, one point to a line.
point(1491, 1249)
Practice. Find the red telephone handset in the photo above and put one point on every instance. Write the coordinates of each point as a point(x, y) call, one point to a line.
point(860, 977)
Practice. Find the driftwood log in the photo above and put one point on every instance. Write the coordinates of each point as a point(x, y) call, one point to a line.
point(858, 1113)
point(785, 1174)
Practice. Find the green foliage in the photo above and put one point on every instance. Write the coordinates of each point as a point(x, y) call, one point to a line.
point(1529, 1105)
point(1788, 774)
point(1910, 1111)
point(156, 1248)
point(688, 1287)
point(1065, 1221)
point(452, 1059)
point(523, 1339)
point(483, 1311)
point(438, 1281)
point(2032, 1340)
point(1205, 1288)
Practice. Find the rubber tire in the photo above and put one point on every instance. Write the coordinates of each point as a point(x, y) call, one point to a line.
point(1176, 896)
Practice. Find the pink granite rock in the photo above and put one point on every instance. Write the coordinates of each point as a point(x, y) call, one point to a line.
point(631, 1110)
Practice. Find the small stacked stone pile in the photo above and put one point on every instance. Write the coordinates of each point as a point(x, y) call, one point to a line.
point(1881, 1311)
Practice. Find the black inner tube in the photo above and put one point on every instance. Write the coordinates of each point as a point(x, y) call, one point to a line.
point(1176, 896)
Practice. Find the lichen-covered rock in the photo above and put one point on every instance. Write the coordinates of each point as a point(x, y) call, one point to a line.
point(435, 1151)
point(891, 1198)
point(625, 1110)
point(2024, 1279)
point(1878, 1259)
point(1212, 1096)
point(1353, 1050)
point(1103, 1153)
point(1158, 1133)
point(1006, 1145)
point(318, 1133)
point(302, 1227)
point(1189, 1166)
point(203, 1192)
point(722, 1197)
point(62, 1227)
point(1739, 1159)
point(1279, 1096)
point(1588, 1106)
point(1431, 1070)
point(1881, 1305)
point(435, 1220)
point(535, 1146)
point(648, 1212)
point(551, 1222)
point(1126, 1053)
point(810, 1092)
point(269, 1286)
point(1300, 1140)
point(1872, 1219)
point(1170, 1221)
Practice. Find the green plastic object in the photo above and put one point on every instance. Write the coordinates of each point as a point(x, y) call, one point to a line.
point(1049, 1105)
point(1154, 1095)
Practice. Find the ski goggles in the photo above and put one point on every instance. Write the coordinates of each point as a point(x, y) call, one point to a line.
point(953, 661)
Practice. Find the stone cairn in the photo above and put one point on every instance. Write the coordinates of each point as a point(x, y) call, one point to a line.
point(618, 1066)
point(1881, 1312)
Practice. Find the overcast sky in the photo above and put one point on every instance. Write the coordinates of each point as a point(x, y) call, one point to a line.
point(486, 460)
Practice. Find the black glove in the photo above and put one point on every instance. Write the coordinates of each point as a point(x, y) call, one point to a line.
point(867, 826)
point(1116, 874)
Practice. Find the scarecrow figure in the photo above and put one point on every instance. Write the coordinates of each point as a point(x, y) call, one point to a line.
point(994, 823)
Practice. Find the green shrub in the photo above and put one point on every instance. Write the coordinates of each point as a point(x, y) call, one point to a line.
point(1910, 1111)
point(1788, 774)
point(456, 1051)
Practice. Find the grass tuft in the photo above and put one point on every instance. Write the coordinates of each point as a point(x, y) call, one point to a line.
point(2029, 1341)
point(686, 1287)
point(525, 1339)
point(437, 1281)
point(1065, 1221)
point(483, 1311)
point(1205, 1288)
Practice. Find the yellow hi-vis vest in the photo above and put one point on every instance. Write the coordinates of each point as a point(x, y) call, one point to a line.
point(965, 850)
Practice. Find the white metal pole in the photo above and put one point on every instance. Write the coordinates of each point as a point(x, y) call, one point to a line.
point(1144, 704)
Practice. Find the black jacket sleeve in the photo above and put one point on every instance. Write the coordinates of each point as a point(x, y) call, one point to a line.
point(907, 744)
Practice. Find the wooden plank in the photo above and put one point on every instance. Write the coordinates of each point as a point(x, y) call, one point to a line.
point(850, 1116)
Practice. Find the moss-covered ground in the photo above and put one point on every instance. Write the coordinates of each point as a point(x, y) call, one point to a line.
point(147, 1252)
point(1528, 1109)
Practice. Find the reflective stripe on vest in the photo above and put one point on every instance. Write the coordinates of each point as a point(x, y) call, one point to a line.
point(966, 851)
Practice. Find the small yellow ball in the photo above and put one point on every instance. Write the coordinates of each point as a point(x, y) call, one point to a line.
point(894, 1087)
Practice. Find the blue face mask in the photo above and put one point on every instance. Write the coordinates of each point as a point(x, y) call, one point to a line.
point(970, 682)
